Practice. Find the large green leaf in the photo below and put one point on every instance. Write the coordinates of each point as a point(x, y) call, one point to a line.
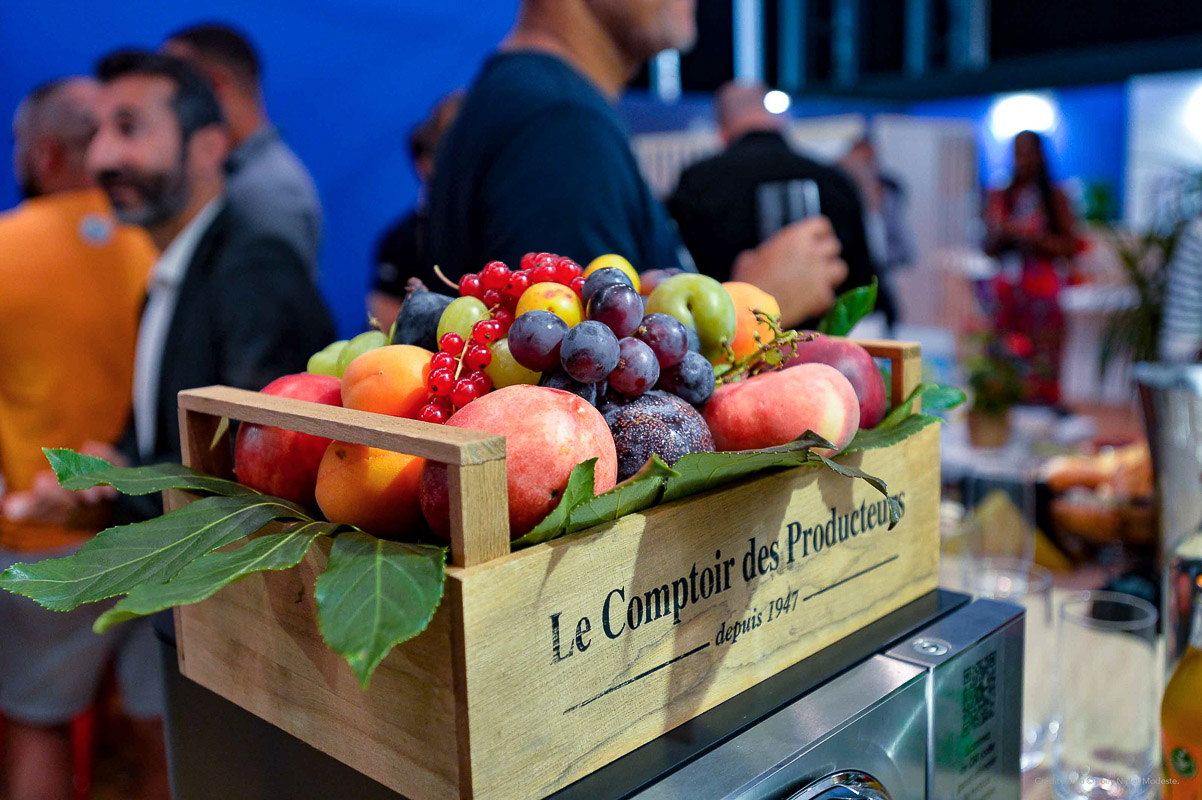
point(209, 573)
point(639, 491)
point(935, 397)
point(886, 436)
point(849, 308)
point(876, 483)
point(77, 471)
point(581, 483)
point(374, 595)
point(700, 472)
point(118, 560)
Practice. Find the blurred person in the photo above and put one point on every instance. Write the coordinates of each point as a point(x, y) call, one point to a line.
point(1181, 329)
point(401, 251)
point(1031, 229)
point(728, 204)
point(265, 179)
point(71, 285)
point(230, 302)
point(890, 239)
point(539, 160)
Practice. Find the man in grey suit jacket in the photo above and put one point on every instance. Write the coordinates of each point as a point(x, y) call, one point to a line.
point(266, 183)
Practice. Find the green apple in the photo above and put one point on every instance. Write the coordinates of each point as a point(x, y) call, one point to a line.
point(325, 361)
point(701, 303)
point(358, 346)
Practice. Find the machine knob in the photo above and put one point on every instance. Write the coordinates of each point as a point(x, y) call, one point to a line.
point(843, 786)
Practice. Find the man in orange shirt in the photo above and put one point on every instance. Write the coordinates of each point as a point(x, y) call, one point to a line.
point(72, 282)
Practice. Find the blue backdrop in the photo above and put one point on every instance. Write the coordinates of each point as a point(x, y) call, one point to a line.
point(344, 79)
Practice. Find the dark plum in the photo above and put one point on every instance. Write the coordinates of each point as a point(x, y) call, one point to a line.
point(618, 306)
point(692, 379)
point(589, 352)
point(637, 369)
point(592, 393)
point(694, 340)
point(535, 338)
point(417, 321)
point(603, 277)
point(656, 423)
point(667, 337)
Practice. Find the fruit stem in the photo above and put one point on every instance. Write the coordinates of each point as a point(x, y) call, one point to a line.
point(768, 355)
point(445, 279)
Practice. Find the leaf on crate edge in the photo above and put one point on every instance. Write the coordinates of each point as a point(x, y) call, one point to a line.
point(215, 570)
point(375, 594)
point(579, 489)
point(878, 437)
point(871, 480)
point(78, 471)
point(935, 397)
point(849, 308)
point(638, 492)
point(118, 560)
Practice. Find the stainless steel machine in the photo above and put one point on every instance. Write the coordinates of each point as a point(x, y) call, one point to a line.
point(924, 703)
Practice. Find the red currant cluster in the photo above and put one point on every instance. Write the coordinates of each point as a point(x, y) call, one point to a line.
point(457, 374)
point(497, 286)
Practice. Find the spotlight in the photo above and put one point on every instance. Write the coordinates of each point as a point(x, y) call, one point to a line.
point(776, 102)
point(1022, 112)
point(1193, 114)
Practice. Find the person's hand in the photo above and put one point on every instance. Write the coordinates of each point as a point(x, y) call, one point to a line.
point(799, 266)
point(47, 503)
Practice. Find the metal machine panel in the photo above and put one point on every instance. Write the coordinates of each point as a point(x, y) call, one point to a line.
point(872, 719)
point(975, 658)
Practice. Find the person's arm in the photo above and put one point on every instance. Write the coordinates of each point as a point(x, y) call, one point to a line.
point(799, 266)
point(559, 185)
point(269, 317)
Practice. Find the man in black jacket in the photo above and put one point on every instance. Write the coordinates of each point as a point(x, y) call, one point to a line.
point(228, 302)
point(729, 204)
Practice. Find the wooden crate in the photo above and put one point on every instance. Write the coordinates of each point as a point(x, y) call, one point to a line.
point(543, 665)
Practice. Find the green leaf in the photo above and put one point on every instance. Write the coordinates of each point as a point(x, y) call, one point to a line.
point(118, 560)
point(882, 436)
point(871, 480)
point(849, 308)
point(699, 472)
point(209, 573)
point(579, 490)
point(935, 397)
point(641, 490)
point(374, 595)
point(77, 471)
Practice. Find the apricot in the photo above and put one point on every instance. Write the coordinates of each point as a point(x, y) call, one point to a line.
point(749, 298)
point(370, 488)
point(388, 380)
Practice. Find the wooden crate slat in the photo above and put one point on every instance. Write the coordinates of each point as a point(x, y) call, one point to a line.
point(436, 442)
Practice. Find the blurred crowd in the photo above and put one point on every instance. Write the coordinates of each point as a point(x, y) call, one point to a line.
point(168, 239)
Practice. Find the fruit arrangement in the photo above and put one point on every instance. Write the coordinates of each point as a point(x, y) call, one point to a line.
point(610, 401)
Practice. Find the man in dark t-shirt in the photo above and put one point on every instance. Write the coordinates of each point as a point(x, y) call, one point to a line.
point(538, 159)
point(735, 200)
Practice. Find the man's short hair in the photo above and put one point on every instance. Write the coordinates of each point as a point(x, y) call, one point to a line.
point(424, 138)
point(194, 104)
point(226, 46)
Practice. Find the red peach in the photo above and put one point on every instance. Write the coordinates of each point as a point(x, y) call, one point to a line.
point(774, 408)
point(856, 365)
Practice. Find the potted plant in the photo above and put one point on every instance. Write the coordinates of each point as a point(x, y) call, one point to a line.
point(995, 375)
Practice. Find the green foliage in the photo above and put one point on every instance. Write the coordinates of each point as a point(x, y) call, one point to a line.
point(376, 594)
point(849, 308)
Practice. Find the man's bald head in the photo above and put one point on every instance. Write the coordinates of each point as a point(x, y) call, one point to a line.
point(739, 109)
point(51, 131)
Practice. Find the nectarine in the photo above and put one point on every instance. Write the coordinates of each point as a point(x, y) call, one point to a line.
point(774, 408)
point(856, 365)
point(547, 433)
point(284, 463)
